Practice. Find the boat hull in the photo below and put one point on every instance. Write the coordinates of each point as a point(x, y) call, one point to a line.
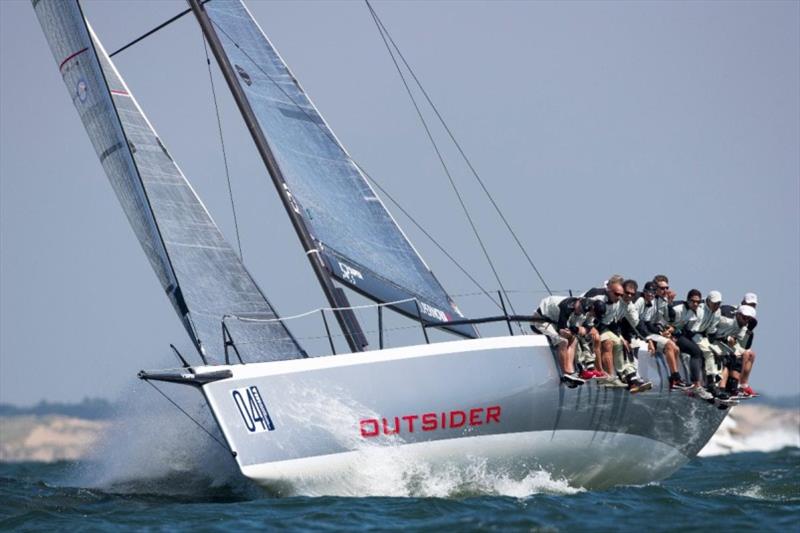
point(494, 402)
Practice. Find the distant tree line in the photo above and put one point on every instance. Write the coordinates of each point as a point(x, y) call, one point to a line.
point(88, 408)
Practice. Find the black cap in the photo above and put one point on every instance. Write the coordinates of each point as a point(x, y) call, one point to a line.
point(650, 286)
point(586, 305)
point(599, 308)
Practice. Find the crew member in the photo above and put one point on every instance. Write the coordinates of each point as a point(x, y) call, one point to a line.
point(654, 328)
point(629, 365)
point(749, 356)
point(607, 330)
point(561, 319)
point(728, 342)
point(682, 317)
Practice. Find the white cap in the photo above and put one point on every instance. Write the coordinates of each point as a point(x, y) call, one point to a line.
point(747, 310)
point(714, 297)
point(750, 298)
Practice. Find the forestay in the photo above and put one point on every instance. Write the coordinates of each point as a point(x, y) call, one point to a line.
point(359, 241)
point(199, 270)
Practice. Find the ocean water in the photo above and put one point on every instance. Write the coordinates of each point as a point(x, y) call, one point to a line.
point(726, 492)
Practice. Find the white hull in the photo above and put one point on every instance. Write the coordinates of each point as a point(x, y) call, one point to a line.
point(496, 402)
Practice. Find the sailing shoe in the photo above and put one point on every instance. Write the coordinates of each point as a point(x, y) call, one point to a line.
point(700, 392)
point(747, 391)
point(718, 393)
point(586, 375)
point(614, 383)
point(678, 383)
point(572, 380)
point(605, 378)
point(637, 385)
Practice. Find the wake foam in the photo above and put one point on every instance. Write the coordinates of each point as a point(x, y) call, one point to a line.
point(152, 448)
point(755, 428)
point(390, 472)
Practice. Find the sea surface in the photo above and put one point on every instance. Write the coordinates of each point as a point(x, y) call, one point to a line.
point(754, 490)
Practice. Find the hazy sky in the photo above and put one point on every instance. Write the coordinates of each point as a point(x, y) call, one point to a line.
point(637, 138)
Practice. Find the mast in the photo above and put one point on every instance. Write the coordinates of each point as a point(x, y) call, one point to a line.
point(336, 297)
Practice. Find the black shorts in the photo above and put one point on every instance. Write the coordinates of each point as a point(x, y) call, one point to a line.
point(733, 363)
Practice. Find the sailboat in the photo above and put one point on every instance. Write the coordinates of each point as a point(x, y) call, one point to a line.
point(288, 415)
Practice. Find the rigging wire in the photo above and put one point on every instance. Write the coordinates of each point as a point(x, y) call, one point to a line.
point(327, 133)
point(428, 235)
point(181, 409)
point(224, 154)
point(383, 30)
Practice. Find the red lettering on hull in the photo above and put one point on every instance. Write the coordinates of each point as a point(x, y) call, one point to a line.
point(455, 419)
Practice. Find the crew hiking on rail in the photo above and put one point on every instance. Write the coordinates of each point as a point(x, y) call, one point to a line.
point(600, 334)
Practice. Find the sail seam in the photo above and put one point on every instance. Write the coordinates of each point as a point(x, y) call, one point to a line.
point(71, 56)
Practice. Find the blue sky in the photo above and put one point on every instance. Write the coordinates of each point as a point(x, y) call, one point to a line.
point(637, 138)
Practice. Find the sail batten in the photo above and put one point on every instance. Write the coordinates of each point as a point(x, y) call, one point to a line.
point(360, 243)
point(200, 272)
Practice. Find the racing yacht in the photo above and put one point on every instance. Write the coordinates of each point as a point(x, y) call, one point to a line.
point(289, 415)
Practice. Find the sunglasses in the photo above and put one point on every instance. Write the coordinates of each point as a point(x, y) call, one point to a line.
point(630, 293)
point(663, 288)
point(618, 294)
point(694, 301)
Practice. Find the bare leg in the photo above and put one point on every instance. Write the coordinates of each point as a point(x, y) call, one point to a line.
point(671, 353)
point(607, 355)
point(748, 358)
point(568, 357)
point(598, 361)
point(563, 358)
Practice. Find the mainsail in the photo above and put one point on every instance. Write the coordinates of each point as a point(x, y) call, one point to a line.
point(202, 275)
point(358, 240)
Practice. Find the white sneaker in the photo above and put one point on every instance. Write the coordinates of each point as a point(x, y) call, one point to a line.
point(572, 379)
point(702, 393)
point(615, 383)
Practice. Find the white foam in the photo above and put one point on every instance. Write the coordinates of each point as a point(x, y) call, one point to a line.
point(760, 431)
point(388, 471)
point(151, 447)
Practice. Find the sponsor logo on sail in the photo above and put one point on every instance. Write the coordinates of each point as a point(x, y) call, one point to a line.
point(292, 201)
point(254, 412)
point(244, 75)
point(81, 90)
point(433, 312)
point(433, 421)
point(350, 274)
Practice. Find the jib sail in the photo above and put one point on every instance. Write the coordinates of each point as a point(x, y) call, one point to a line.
point(358, 240)
point(203, 277)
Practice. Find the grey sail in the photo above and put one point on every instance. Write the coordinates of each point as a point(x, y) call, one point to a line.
point(201, 274)
point(360, 243)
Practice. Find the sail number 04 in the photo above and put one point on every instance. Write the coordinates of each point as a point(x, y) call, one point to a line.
point(253, 409)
